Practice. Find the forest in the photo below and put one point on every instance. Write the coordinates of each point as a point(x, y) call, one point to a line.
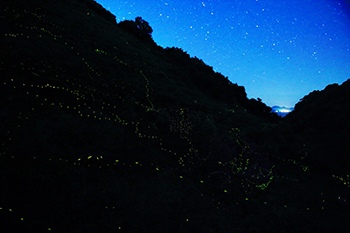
point(102, 130)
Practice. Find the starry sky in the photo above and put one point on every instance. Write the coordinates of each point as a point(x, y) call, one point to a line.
point(278, 50)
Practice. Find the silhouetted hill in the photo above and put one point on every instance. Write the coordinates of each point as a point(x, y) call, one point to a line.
point(322, 117)
point(102, 130)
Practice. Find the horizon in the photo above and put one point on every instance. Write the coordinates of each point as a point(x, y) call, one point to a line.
point(306, 44)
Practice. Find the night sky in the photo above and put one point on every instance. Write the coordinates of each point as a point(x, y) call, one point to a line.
point(278, 50)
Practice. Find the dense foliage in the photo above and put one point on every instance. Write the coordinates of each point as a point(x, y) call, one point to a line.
point(138, 28)
point(101, 130)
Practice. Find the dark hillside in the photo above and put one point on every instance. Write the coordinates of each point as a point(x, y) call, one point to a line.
point(102, 130)
point(323, 118)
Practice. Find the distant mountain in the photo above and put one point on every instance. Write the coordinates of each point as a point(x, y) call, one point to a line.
point(281, 111)
point(102, 130)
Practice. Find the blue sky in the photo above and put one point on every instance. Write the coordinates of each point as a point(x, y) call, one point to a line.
point(278, 50)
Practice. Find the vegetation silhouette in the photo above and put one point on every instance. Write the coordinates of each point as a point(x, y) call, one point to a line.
point(322, 118)
point(138, 28)
point(102, 130)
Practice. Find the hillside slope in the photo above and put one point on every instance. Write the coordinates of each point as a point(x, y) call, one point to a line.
point(102, 131)
point(322, 117)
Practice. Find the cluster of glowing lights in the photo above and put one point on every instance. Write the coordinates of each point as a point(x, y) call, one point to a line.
point(283, 110)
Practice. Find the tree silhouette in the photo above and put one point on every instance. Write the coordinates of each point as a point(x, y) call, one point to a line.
point(129, 26)
point(139, 28)
point(143, 25)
